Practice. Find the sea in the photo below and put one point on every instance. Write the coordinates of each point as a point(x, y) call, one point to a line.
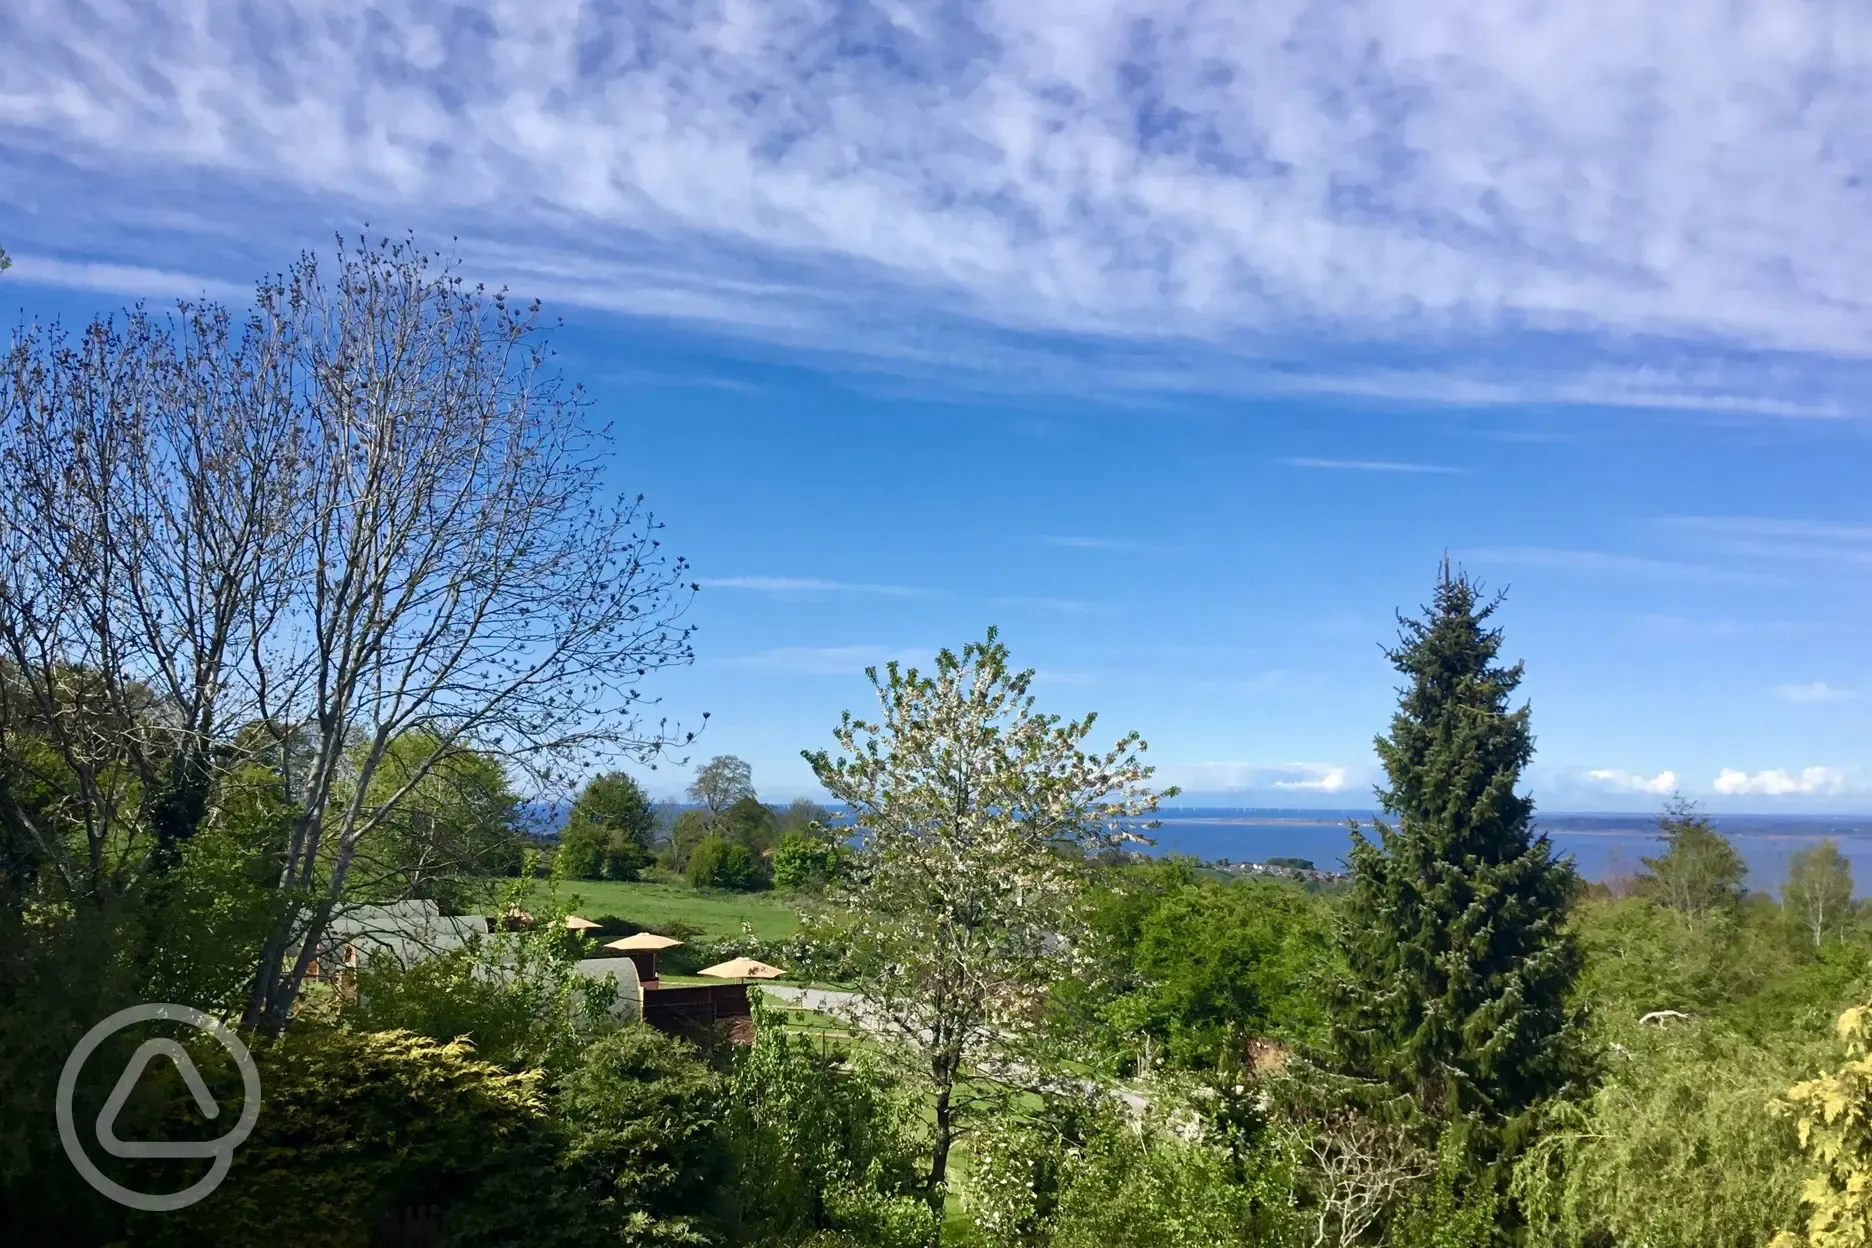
point(1602, 847)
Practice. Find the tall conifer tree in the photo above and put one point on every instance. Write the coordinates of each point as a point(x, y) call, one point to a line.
point(1458, 960)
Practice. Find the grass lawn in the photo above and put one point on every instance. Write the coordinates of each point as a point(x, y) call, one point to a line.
point(656, 906)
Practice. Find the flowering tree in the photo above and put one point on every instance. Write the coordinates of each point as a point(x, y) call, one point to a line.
point(975, 816)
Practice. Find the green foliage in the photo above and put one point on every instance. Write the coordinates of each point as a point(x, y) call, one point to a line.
point(1742, 966)
point(688, 830)
point(209, 912)
point(644, 1133)
point(62, 967)
point(826, 1143)
point(1123, 1187)
point(749, 822)
point(1458, 960)
point(442, 830)
point(721, 863)
point(518, 997)
point(1673, 1150)
point(805, 863)
point(1699, 871)
point(627, 1148)
point(609, 831)
point(1206, 968)
point(807, 817)
point(354, 1125)
point(1451, 1210)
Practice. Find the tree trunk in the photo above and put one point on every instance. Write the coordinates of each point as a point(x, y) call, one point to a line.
point(275, 986)
point(944, 1138)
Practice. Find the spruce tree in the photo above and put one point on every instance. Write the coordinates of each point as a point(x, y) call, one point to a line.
point(1458, 961)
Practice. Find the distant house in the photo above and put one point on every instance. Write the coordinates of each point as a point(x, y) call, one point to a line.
point(408, 931)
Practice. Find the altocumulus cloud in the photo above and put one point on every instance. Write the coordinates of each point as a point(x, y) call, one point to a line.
point(1213, 184)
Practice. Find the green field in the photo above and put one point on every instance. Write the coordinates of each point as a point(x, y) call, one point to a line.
point(655, 906)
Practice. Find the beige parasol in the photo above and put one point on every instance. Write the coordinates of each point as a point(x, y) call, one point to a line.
point(648, 941)
point(742, 968)
point(575, 924)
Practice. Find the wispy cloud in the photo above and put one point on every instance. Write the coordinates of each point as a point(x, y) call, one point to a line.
point(1064, 606)
point(1663, 782)
point(1855, 534)
point(810, 585)
point(1600, 561)
point(1257, 180)
point(1102, 543)
point(1368, 465)
point(1814, 691)
point(1759, 539)
point(1779, 783)
point(129, 280)
point(1278, 777)
point(1676, 628)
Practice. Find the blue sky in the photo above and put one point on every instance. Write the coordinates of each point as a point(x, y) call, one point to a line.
point(1179, 340)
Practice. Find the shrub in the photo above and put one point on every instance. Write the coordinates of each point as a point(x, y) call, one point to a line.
point(645, 1144)
point(353, 1126)
point(1081, 1176)
point(1680, 1114)
point(721, 863)
point(519, 998)
point(826, 1145)
point(628, 1149)
point(804, 863)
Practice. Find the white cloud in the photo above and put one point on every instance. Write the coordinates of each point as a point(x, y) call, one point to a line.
point(1815, 691)
point(808, 585)
point(1291, 777)
point(1779, 783)
point(1367, 465)
point(1662, 783)
point(1146, 171)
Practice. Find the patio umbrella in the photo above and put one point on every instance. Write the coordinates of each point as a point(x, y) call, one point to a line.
point(575, 924)
point(649, 941)
point(742, 968)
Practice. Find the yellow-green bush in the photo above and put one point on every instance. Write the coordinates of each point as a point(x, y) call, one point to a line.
point(1675, 1149)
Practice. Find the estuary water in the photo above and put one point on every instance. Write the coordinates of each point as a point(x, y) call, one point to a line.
point(1602, 847)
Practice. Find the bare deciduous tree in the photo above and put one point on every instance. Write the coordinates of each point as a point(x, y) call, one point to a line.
point(1357, 1169)
point(370, 513)
point(721, 782)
